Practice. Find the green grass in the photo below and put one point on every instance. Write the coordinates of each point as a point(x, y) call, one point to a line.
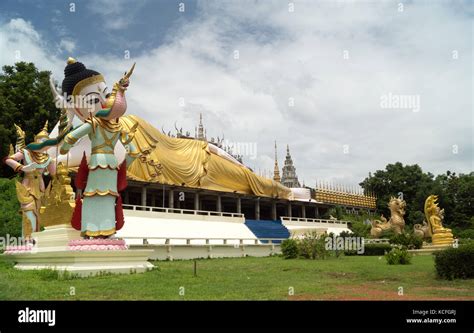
point(354, 277)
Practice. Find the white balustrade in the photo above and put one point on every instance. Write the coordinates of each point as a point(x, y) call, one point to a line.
point(180, 211)
point(310, 220)
point(206, 240)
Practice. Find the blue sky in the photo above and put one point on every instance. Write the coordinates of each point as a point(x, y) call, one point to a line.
point(312, 74)
point(139, 25)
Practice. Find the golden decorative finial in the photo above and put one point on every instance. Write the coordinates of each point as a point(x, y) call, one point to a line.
point(130, 72)
point(44, 132)
point(276, 169)
point(20, 138)
point(71, 60)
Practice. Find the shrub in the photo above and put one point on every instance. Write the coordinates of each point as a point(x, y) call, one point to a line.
point(360, 229)
point(336, 212)
point(371, 250)
point(409, 241)
point(312, 246)
point(388, 234)
point(455, 263)
point(376, 249)
point(465, 241)
point(289, 248)
point(398, 256)
point(343, 234)
point(10, 219)
point(466, 234)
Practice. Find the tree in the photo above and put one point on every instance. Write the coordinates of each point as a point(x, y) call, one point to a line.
point(455, 192)
point(398, 180)
point(10, 218)
point(25, 99)
point(457, 198)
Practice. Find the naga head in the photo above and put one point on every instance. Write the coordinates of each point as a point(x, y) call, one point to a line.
point(432, 208)
point(397, 205)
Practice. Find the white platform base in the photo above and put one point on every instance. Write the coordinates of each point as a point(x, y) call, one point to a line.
point(55, 238)
point(51, 252)
point(85, 263)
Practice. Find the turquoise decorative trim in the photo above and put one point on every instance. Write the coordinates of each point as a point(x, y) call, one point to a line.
point(48, 143)
point(37, 146)
point(103, 113)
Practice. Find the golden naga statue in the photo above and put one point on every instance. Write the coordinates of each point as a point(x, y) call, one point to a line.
point(396, 223)
point(435, 216)
point(422, 230)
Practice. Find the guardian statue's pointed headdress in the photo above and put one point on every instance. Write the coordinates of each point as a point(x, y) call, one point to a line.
point(43, 134)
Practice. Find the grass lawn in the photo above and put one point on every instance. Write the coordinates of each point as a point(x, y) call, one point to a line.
point(271, 278)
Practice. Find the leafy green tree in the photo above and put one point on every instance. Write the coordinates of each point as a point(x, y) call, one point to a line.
point(455, 192)
point(10, 219)
point(25, 99)
point(457, 198)
point(335, 211)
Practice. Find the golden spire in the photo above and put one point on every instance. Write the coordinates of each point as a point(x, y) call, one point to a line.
point(276, 171)
point(20, 138)
point(44, 132)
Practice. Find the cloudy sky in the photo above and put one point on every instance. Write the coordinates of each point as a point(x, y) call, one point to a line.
point(349, 85)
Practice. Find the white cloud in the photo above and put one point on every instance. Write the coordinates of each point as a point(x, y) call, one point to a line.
point(19, 41)
point(67, 45)
point(299, 55)
point(22, 28)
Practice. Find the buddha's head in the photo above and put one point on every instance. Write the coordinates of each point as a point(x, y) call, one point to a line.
point(85, 89)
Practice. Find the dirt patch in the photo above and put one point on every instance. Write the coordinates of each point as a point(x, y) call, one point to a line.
point(442, 288)
point(356, 292)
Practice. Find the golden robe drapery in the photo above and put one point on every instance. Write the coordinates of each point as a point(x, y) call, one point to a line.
point(190, 163)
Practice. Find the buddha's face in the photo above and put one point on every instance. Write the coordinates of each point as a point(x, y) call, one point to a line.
point(90, 100)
